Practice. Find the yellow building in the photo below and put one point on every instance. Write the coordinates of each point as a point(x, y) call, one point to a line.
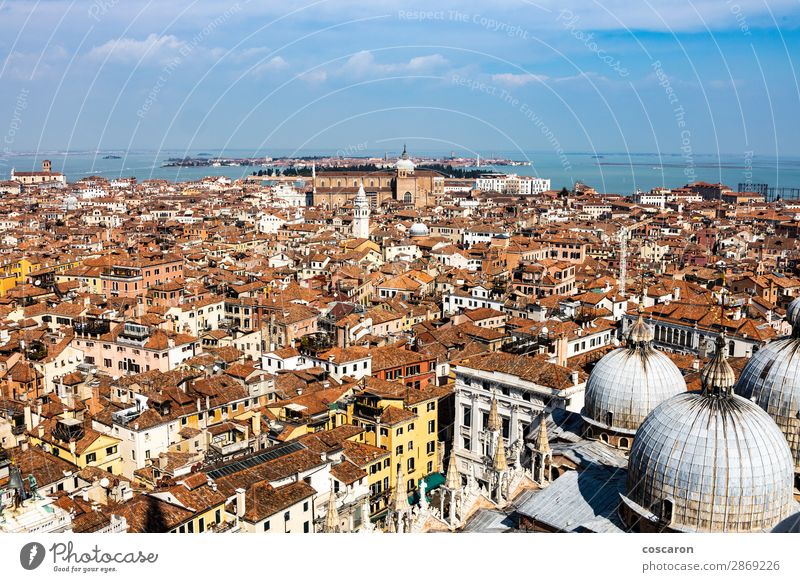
point(403, 421)
point(87, 276)
point(376, 462)
point(14, 272)
point(74, 441)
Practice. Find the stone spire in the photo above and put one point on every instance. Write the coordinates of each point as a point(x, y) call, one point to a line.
point(542, 442)
point(717, 377)
point(494, 424)
point(332, 516)
point(390, 527)
point(453, 478)
point(499, 463)
point(399, 503)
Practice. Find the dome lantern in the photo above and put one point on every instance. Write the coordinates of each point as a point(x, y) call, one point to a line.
point(717, 378)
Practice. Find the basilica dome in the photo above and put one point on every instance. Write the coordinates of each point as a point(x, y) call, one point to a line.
point(709, 462)
point(404, 163)
point(771, 379)
point(627, 383)
point(418, 229)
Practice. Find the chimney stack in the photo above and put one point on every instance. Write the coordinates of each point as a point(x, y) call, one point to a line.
point(28, 417)
point(240, 502)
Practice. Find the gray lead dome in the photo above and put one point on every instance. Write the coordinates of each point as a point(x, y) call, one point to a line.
point(771, 379)
point(629, 382)
point(711, 464)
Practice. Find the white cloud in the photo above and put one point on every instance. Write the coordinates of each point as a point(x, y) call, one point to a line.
point(520, 80)
point(32, 65)
point(315, 77)
point(154, 48)
point(273, 65)
point(517, 80)
point(364, 64)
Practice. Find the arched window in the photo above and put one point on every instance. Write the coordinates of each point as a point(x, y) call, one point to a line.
point(610, 418)
point(731, 348)
point(371, 183)
point(666, 511)
point(604, 437)
point(407, 198)
point(624, 443)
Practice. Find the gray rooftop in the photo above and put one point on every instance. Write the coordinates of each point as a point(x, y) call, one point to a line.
point(578, 501)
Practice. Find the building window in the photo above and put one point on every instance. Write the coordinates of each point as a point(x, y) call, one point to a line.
point(431, 426)
point(306, 527)
point(411, 465)
point(399, 450)
point(466, 419)
point(305, 506)
point(91, 457)
point(266, 525)
point(430, 448)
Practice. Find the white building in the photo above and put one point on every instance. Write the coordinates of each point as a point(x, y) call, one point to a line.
point(513, 184)
point(523, 386)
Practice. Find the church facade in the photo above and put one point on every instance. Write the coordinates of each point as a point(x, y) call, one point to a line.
point(404, 185)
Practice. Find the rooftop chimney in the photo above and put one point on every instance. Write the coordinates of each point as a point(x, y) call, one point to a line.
point(240, 502)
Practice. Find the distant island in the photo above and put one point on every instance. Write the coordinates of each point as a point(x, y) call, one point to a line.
point(302, 166)
point(112, 157)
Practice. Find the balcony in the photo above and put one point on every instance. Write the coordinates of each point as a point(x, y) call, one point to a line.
point(135, 332)
point(122, 274)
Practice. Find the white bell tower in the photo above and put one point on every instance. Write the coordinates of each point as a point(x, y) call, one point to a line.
point(361, 214)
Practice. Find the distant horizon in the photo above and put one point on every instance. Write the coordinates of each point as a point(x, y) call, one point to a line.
point(331, 152)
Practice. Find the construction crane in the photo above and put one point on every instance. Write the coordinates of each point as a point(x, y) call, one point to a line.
point(622, 235)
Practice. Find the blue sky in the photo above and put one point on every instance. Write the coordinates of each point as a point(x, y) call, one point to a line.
point(619, 76)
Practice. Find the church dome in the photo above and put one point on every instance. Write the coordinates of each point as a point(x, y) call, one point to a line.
point(771, 379)
point(710, 462)
point(629, 382)
point(418, 229)
point(404, 163)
